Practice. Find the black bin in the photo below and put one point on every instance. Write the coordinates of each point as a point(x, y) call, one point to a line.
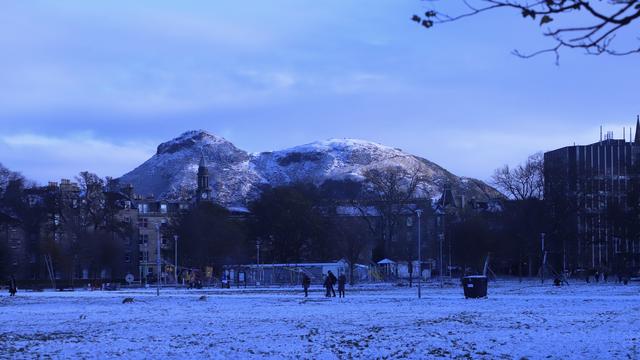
point(475, 287)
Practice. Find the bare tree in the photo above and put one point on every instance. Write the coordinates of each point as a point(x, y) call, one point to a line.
point(389, 190)
point(571, 24)
point(351, 239)
point(525, 181)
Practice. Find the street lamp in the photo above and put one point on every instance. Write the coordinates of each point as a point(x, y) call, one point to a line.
point(441, 215)
point(175, 269)
point(158, 260)
point(419, 213)
point(258, 262)
point(543, 258)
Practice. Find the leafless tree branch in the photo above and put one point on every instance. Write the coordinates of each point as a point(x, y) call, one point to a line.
point(603, 20)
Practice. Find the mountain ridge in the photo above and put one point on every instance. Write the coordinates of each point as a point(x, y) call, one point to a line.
point(237, 176)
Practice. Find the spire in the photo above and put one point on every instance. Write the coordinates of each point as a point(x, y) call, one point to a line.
point(203, 164)
point(637, 139)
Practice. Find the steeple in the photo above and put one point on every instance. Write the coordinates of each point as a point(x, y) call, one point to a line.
point(203, 192)
point(203, 164)
point(637, 139)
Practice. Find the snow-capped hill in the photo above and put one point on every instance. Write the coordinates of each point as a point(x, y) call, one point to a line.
point(339, 159)
point(193, 138)
point(236, 177)
point(322, 160)
point(171, 172)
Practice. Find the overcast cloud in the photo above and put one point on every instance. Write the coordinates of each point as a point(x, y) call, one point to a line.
point(97, 85)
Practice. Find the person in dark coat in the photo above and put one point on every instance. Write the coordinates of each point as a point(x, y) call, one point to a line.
point(332, 281)
point(326, 284)
point(306, 282)
point(13, 288)
point(342, 281)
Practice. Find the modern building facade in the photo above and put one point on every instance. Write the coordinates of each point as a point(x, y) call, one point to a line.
point(592, 195)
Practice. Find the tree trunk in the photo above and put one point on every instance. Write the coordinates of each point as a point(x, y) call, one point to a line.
point(351, 270)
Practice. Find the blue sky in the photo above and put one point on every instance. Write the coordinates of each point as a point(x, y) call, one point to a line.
point(98, 85)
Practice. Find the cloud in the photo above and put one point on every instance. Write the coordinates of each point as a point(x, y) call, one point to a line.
point(44, 158)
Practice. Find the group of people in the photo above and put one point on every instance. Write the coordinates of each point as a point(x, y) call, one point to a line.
point(329, 282)
point(600, 275)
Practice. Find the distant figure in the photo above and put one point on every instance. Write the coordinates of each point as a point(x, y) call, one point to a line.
point(332, 281)
point(13, 289)
point(306, 282)
point(342, 281)
point(326, 284)
point(596, 276)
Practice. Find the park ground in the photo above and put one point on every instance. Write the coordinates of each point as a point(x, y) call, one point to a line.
point(517, 321)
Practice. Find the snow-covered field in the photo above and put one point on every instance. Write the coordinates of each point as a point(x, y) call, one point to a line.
point(518, 320)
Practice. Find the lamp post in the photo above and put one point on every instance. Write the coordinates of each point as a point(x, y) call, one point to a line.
point(175, 247)
point(258, 262)
point(442, 215)
point(542, 262)
point(419, 213)
point(158, 260)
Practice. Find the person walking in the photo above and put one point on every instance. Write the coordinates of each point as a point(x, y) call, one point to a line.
point(332, 281)
point(13, 288)
point(342, 281)
point(306, 282)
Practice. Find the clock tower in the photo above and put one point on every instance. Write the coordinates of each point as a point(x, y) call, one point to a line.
point(204, 191)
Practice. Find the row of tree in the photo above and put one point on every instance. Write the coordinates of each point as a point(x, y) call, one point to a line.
point(77, 228)
point(360, 221)
point(302, 223)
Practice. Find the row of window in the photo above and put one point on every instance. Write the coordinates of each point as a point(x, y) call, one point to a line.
point(143, 239)
point(143, 222)
point(144, 208)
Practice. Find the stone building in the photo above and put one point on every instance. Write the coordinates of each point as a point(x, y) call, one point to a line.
point(151, 219)
point(14, 254)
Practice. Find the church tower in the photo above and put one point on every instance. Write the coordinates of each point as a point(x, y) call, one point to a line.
point(204, 191)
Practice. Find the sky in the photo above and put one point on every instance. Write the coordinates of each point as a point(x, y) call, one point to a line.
point(98, 85)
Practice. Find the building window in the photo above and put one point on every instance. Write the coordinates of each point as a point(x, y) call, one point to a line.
point(127, 257)
point(163, 208)
point(143, 222)
point(144, 239)
point(143, 208)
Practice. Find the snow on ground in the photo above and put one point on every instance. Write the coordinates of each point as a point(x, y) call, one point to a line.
point(518, 320)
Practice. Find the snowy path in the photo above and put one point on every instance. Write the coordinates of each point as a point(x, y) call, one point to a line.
point(517, 321)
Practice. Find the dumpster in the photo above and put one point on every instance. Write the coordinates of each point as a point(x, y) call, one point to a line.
point(475, 287)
